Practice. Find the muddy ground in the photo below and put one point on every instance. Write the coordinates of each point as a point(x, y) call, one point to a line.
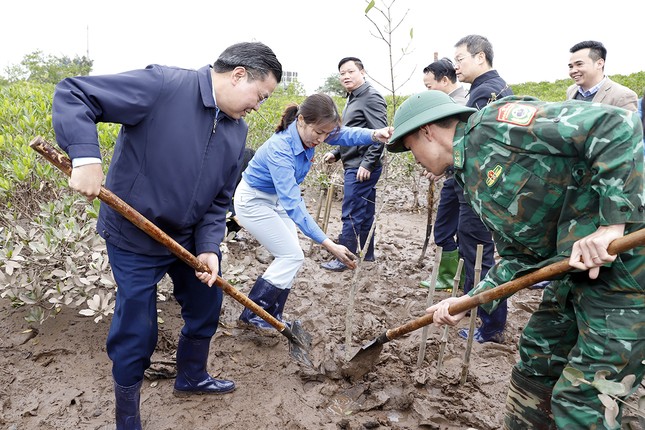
point(57, 375)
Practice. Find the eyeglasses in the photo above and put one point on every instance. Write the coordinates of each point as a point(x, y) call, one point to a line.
point(462, 58)
point(261, 96)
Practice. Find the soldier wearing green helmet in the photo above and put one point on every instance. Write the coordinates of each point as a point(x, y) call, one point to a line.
point(551, 181)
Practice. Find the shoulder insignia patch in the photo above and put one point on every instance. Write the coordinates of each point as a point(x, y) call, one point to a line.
point(516, 113)
point(458, 159)
point(493, 175)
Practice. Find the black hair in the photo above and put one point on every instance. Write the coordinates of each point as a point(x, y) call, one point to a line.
point(441, 68)
point(255, 56)
point(596, 49)
point(356, 61)
point(476, 44)
point(318, 108)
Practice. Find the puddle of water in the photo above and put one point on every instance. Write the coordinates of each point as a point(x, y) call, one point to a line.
point(342, 405)
point(393, 416)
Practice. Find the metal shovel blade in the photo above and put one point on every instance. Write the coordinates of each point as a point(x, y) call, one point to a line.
point(372, 347)
point(365, 358)
point(300, 343)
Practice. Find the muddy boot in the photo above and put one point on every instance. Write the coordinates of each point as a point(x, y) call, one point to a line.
point(126, 406)
point(192, 377)
point(447, 271)
point(480, 338)
point(334, 265)
point(493, 324)
point(265, 295)
point(528, 404)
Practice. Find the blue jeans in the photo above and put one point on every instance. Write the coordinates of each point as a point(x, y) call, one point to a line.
point(133, 332)
point(359, 207)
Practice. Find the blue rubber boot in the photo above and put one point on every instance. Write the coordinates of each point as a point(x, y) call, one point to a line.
point(127, 406)
point(492, 325)
point(265, 295)
point(192, 377)
point(278, 308)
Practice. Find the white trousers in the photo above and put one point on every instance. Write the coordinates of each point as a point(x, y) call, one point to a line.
point(262, 215)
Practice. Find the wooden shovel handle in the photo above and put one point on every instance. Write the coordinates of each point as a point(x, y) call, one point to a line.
point(62, 162)
point(617, 246)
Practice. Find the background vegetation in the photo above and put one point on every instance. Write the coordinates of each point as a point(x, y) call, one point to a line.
point(50, 255)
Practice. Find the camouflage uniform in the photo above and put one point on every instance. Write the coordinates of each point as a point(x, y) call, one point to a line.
point(542, 176)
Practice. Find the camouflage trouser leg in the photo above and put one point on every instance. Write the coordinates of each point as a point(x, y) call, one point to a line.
point(528, 404)
point(590, 325)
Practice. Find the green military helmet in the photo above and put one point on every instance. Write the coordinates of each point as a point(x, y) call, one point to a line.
point(420, 109)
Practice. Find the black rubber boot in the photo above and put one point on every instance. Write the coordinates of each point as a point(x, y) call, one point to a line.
point(192, 377)
point(265, 295)
point(528, 404)
point(126, 406)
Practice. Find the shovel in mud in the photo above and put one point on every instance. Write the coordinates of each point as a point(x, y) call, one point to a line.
point(367, 355)
point(299, 339)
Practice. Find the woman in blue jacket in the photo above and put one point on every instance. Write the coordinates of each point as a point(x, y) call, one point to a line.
point(268, 203)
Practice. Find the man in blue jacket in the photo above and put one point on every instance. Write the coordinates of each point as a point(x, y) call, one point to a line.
point(176, 161)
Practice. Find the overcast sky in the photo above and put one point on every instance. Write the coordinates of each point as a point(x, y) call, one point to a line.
point(531, 40)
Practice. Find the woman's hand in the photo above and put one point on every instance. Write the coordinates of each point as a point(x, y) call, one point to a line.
point(590, 252)
point(382, 134)
point(329, 158)
point(340, 252)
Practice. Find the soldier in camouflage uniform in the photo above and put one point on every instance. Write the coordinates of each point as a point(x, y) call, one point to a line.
point(551, 181)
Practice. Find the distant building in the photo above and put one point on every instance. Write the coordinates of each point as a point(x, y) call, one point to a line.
point(289, 78)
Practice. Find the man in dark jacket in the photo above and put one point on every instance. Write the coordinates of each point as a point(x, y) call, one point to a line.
point(365, 108)
point(176, 161)
point(474, 65)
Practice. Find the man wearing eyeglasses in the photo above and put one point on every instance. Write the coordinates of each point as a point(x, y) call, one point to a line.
point(474, 65)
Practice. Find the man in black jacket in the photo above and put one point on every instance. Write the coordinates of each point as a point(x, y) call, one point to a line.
point(366, 108)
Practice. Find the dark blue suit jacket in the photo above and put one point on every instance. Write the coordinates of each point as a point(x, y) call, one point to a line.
point(172, 161)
